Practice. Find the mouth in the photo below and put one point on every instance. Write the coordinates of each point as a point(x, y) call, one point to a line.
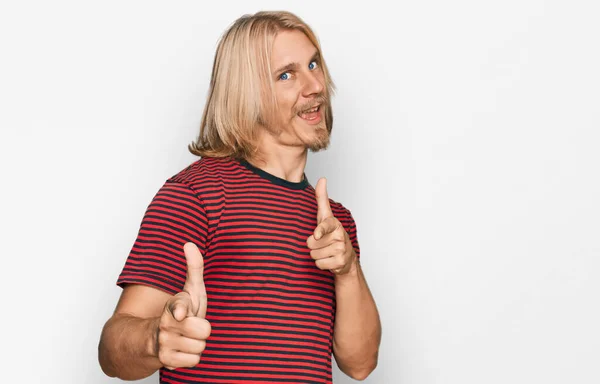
point(311, 115)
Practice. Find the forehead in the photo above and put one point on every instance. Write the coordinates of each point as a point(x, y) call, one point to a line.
point(291, 46)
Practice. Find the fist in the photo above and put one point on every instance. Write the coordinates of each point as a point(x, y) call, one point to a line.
point(330, 244)
point(182, 331)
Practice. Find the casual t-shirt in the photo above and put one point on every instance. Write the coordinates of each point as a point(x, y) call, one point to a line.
point(271, 309)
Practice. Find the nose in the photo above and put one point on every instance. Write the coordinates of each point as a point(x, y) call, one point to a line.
point(313, 84)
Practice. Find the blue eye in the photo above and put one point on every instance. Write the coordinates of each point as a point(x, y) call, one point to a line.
point(312, 65)
point(284, 76)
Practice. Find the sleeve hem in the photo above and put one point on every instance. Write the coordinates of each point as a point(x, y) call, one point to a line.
point(150, 281)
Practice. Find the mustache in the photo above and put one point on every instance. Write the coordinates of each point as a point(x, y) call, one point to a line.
point(321, 99)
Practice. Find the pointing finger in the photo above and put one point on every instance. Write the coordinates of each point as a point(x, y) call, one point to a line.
point(328, 232)
point(323, 207)
point(194, 282)
point(326, 226)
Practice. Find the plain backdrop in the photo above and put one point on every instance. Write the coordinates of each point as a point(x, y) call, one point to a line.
point(466, 144)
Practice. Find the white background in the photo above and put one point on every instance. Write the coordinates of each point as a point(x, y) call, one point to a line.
point(466, 145)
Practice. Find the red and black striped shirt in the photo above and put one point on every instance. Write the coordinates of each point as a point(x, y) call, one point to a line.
point(271, 309)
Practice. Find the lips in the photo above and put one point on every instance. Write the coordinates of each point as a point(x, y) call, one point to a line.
point(309, 113)
point(312, 115)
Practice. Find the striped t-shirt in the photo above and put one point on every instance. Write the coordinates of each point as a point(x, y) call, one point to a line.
point(271, 309)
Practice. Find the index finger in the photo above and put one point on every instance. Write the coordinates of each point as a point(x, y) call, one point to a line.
point(328, 225)
point(323, 207)
point(194, 282)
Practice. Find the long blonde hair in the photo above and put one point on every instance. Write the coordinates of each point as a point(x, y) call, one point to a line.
point(240, 95)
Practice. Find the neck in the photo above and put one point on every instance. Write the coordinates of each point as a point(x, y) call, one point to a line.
point(284, 161)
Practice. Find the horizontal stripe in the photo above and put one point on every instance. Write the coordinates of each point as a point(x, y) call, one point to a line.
point(271, 309)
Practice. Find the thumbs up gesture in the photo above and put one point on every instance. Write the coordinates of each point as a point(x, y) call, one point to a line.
point(183, 329)
point(330, 244)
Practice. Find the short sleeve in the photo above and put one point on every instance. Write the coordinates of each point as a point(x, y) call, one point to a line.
point(345, 217)
point(174, 217)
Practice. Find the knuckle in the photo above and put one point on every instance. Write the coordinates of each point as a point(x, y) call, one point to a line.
point(187, 325)
point(196, 327)
point(164, 357)
point(167, 322)
point(194, 361)
point(339, 230)
point(207, 328)
point(191, 322)
point(163, 324)
point(163, 339)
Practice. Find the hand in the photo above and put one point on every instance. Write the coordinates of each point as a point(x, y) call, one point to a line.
point(330, 244)
point(183, 329)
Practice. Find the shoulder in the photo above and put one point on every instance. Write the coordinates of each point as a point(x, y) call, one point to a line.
point(209, 177)
point(201, 167)
point(205, 171)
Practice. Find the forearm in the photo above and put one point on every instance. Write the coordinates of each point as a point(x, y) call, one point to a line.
point(357, 329)
point(126, 348)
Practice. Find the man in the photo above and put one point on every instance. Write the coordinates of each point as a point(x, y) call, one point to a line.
point(242, 272)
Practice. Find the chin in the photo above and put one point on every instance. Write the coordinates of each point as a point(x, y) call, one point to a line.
point(313, 137)
point(318, 147)
point(320, 140)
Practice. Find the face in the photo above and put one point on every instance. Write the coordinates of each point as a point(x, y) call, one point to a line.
point(299, 85)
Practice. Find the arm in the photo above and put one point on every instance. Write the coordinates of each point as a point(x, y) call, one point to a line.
point(357, 328)
point(151, 328)
point(143, 334)
point(126, 348)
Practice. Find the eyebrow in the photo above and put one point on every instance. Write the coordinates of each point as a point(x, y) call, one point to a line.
point(290, 66)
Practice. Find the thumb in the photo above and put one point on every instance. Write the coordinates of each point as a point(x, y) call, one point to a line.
point(323, 207)
point(180, 307)
point(179, 313)
point(194, 282)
